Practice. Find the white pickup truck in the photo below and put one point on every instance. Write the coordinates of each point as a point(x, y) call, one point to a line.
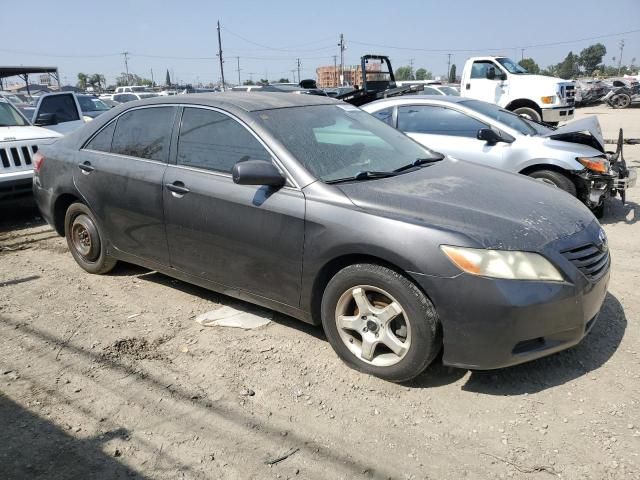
point(502, 81)
point(19, 142)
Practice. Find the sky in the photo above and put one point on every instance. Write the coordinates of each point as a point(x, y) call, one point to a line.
point(269, 37)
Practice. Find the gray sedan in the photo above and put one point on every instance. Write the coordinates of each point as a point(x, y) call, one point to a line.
point(312, 207)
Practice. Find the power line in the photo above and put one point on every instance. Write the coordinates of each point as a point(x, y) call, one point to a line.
point(266, 47)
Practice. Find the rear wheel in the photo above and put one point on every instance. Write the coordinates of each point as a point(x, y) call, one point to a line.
point(557, 179)
point(621, 100)
point(84, 240)
point(528, 112)
point(379, 322)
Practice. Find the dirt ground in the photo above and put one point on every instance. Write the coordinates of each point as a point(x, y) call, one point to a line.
point(111, 377)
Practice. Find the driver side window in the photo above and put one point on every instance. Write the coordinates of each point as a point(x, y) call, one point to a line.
point(479, 68)
point(437, 121)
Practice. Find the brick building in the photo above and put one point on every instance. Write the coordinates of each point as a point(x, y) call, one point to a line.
point(329, 76)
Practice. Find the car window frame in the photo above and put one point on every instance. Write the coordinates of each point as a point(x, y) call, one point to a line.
point(117, 117)
point(448, 107)
point(290, 180)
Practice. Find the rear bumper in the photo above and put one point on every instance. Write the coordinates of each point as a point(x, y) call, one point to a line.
point(490, 323)
point(559, 114)
point(44, 200)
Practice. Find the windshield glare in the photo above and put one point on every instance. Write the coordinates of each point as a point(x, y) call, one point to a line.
point(339, 141)
point(506, 117)
point(511, 66)
point(9, 116)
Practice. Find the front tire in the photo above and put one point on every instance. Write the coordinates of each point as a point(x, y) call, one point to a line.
point(528, 112)
point(379, 322)
point(84, 240)
point(557, 179)
point(621, 100)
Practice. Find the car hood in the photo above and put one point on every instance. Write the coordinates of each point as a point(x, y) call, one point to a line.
point(28, 132)
point(493, 208)
point(578, 130)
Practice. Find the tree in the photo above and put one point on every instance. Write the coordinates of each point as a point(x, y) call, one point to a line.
point(82, 81)
point(248, 82)
point(452, 74)
point(263, 81)
point(167, 79)
point(404, 73)
point(550, 71)
point(529, 65)
point(591, 57)
point(132, 79)
point(569, 67)
point(96, 81)
point(423, 74)
point(283, 80)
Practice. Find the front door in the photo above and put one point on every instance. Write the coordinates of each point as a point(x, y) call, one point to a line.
point(482, 88)
point(243, 237)
point(449, 131)
point(120, 172)
point(65, 109)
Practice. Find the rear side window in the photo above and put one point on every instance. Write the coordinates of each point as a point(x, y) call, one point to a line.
point(144, 133)
point(437, 121)
point(62, 106)
point(386, 115)
point(102, 141)
point(214, 141)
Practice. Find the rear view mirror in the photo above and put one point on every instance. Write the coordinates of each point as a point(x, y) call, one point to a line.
point(257, 172)
point(491, 136)
point(45, 119)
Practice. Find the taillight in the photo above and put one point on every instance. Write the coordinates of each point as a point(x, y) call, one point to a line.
point(38, 161)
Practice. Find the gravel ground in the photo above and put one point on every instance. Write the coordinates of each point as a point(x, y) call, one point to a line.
point(111, 377)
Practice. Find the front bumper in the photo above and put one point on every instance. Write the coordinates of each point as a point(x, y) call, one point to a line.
point(557, 114)
point(491, 323)
point(15, 185)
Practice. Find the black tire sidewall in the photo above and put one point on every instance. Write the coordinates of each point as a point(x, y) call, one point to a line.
point(529, 111)
point(560, 180)
point(425, 340)
point(102, 263)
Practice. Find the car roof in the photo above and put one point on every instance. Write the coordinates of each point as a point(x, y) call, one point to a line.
point(247, 101)
point(413, 98)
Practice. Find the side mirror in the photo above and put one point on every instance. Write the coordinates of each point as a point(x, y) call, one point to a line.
point(46, 119)
point(503, 76)
point(257, 172)
point(491, 73)
point(491, 136)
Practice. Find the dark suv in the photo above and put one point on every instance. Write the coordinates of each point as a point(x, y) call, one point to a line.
point(314, 208)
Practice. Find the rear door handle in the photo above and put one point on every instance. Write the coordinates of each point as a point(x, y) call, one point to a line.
point(86, 167)
point(177, 188)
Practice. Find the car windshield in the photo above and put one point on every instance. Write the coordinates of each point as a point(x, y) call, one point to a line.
point(511, 66)
point(9, 116)
point(91, 104)
point(337, 142)
point(521, 124)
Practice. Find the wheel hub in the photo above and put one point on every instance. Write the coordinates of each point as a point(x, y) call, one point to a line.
point(372, 326)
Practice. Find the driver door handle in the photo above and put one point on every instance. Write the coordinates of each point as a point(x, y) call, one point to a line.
point(177, 188)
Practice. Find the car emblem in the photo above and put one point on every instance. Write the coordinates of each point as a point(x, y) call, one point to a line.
point(602, 241)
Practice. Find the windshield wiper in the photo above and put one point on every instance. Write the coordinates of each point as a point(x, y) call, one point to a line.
point(419, 162)
point(364, 175)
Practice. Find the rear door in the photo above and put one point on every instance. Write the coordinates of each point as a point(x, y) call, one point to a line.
point(244, 237)
point(448, 131)
point(120, 172)
point(65, 107)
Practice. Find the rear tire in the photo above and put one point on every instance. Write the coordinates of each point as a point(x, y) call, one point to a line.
point(84, 240)
point(620, 100)
point(380, 323)
point(528, 112)
point(557, 179)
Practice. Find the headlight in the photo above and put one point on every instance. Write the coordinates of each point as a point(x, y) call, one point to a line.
point(506, 264)
point(595, 164)
point(548, 100)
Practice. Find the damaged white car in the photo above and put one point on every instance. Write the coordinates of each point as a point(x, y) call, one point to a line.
point(571, 157)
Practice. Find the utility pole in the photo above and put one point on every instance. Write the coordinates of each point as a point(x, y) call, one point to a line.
point(411, 69)
point(448, 65)
point(153, 84)
point(342, 48)
point(299, 80)
point(621, 44)
point(220, 56)
point(238, 70)
point(522, 56)
point(335, 71)
point(293, 74)
point(126, 64)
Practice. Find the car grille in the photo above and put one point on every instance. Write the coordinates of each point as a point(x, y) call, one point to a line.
point(18, 156)
point(568, 93)
point(589, 259)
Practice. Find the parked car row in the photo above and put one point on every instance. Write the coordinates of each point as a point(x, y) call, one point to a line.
point(315, 208)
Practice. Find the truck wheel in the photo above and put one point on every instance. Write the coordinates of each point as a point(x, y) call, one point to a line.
point(529, 113)
point(621, 100)
point(556, 179)
point(379, 322)
point(84, 240)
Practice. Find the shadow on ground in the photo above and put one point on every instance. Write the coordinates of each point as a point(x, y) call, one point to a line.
point(18, 214)
point(616, 212)
point(33, 448)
